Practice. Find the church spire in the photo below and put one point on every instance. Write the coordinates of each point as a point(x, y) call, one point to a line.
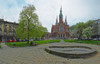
point(66, 20)
point(61, 15)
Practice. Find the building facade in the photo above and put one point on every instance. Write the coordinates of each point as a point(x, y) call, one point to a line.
point(7, 30)
point(61, 28)
point(97, 35)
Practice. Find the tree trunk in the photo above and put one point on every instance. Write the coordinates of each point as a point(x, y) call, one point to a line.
point(28, 40)
point(28, 33)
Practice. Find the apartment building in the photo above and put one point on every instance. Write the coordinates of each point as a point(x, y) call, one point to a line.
point(7, 30)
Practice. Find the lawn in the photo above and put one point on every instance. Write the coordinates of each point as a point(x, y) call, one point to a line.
point(18, 44)
point(24, 44)
point(84, 41)
point(46, 41)
point(0, 46)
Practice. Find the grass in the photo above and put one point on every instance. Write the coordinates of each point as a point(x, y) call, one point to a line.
point(0, 46)
point(18, 44)
point(84, 41)
point(46, 41)
point(24, 44)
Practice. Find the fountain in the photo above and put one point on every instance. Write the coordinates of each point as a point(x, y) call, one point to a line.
point(71, 51)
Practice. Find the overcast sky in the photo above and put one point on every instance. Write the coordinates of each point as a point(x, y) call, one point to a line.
point(48, 10)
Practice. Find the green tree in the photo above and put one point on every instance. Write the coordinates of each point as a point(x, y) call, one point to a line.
point(29, 25)
point(94, 26)
point(87, 32)
point(80, 27)
point(76, 30)
point(90, 23)
point(73, 32)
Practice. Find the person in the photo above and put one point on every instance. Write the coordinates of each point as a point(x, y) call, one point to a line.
point(32, 44)
point(14, 44)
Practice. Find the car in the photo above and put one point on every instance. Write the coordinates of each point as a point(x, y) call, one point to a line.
point(13, 40)
point(75, 38)
point(9, 41)
point(95, 39)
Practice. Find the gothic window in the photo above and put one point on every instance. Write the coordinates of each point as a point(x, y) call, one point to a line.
point(61, 28)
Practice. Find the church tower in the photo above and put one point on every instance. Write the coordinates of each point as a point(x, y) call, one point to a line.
point(61, 29)
point(61, 16)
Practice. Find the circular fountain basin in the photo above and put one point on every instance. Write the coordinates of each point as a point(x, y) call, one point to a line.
point(71, 51)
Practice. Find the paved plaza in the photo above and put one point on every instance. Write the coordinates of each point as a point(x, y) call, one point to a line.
point(37, 55)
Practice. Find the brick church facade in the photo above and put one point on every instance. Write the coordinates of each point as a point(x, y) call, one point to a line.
point(61, 28)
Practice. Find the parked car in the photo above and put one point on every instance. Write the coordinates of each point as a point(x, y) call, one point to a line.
point(9, 41)
point(13, 40)
point(95, 39)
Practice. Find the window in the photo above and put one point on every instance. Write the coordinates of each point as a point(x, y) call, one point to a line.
point(5, 33)
point(9, 33)
point(61, 29)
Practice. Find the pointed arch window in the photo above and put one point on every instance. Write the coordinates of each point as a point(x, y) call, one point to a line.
point(61, 28)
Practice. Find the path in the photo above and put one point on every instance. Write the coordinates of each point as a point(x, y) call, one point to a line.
point(37, 55)
point(62, 41)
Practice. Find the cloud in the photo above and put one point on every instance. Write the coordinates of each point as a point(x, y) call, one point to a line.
point(10, 10)
point(75, 10)
point(48, 10)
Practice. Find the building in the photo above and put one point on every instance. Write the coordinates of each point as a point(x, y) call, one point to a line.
point(61, 28)
point(7, 30)
point(97, 35)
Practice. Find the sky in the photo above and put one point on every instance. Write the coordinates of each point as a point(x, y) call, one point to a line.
point(48, 10)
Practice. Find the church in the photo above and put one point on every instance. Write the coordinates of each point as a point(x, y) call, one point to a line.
point(61, 29)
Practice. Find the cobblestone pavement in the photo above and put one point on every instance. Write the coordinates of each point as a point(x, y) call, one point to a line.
point(37, 55)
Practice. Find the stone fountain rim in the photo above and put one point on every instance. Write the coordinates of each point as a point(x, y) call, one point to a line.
point(49, 49)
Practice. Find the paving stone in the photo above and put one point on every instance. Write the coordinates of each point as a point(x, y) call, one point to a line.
point(37, 55)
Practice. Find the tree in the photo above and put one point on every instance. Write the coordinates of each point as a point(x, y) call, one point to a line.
point(29, 25)
point(73, 33)
point(87, 32)
point(90, 23)
point(76, 30)
point(80, 27)
point(94, 26)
